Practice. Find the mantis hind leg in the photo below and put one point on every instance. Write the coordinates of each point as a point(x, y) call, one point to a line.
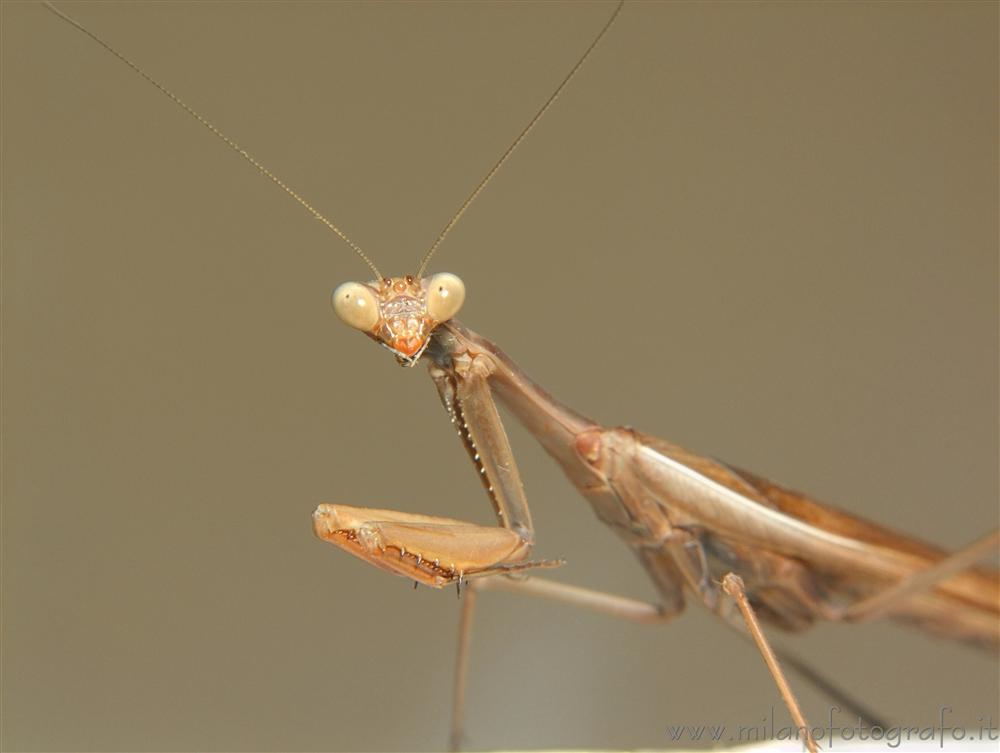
point(922, 581)
point(598, 601)
point(733, 586)
point(462, 668)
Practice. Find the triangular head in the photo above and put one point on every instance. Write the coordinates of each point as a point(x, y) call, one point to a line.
point(400, 313)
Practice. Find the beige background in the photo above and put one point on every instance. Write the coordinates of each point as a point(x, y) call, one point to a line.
point(765, 231)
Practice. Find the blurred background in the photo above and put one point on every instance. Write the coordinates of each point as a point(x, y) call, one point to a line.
point(767, 232)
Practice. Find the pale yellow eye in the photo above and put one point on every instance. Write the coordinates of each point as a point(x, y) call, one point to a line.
point(356, 306)
point(445, 295)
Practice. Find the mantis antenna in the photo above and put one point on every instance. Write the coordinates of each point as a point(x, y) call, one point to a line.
point(309, 207)
point(510, 149)
point(228, 141)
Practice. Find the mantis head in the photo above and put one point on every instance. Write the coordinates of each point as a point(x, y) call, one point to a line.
point(400, 312)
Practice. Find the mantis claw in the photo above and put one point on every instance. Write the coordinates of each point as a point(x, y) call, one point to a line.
point(415, 546)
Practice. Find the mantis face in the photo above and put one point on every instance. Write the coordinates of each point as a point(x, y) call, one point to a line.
point(400, 313)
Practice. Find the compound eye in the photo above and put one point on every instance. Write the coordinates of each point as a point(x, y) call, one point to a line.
point(356, 306)
point(445, 296)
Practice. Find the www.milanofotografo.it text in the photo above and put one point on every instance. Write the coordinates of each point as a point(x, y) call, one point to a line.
point(835, 730)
